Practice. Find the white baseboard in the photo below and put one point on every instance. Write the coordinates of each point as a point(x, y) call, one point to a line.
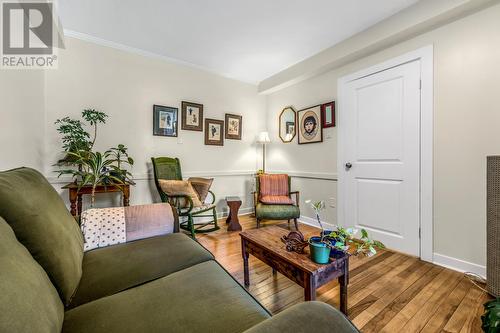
point(459, 265)
point(314, 223)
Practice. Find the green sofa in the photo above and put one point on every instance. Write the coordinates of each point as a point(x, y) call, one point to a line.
point(166, 283)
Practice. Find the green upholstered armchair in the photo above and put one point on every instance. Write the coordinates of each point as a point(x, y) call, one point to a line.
point(170, 169)
point(272, 199)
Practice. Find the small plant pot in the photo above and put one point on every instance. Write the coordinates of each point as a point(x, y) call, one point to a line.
point(337, 254)
point(320, 252)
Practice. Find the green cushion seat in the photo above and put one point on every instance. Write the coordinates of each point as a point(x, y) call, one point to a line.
point(277, 212)
point(43, 224)
point(112, 269)
point(28, 300)
point(202, 298)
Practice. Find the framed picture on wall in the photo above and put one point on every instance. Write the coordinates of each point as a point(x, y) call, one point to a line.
point(192, 116)
point(214, 132)
point(309, 125)
point(328, 114)
point(165, 120)
point(233, 126)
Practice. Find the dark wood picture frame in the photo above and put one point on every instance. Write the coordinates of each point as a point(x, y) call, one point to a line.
point(170, 129)
point(208, 132)
point(316, 109)
point(184, 113)
point(324, 114)
point(240, 126)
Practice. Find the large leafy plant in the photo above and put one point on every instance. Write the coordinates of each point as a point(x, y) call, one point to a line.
point(74, 137)
point(95, 169)
point(491, 317)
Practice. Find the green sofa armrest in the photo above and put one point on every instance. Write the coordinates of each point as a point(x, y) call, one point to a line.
point(306, 317)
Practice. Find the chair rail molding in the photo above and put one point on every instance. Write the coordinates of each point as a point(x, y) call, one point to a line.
point(149, 176)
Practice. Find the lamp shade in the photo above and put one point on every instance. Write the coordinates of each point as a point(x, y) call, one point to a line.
point(263, 137)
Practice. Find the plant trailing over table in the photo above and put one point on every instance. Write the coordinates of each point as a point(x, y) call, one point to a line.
point(491, 317)
point(74, 137)
point(344, 239)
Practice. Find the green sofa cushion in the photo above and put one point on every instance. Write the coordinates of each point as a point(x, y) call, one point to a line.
point(110, 270)
point(306, 317)
point(202, 298)
point(28, 300)
point(277, 212)
point(42, 223)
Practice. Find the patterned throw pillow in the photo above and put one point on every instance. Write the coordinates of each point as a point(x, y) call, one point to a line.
point(201, 186)
point(180, 187)
point(276, 200)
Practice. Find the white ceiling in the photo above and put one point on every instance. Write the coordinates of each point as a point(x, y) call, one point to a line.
point(248, 40)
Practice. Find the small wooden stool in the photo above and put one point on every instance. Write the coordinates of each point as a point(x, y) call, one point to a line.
point(234, 204)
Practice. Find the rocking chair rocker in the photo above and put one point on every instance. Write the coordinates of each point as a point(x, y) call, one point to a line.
point(170, 169)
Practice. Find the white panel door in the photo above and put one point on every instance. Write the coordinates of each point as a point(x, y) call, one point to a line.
point(381, 156)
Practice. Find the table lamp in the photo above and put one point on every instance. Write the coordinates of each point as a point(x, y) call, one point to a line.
point(263, 138)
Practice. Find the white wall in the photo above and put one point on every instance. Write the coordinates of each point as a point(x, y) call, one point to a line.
point(22, 119)
point(125, 86)
point(466, 120)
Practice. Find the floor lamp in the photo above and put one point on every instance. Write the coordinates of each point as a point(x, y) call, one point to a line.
point(263, 139)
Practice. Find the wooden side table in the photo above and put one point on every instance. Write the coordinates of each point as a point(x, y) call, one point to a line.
point(75, 195)
point(234, 204)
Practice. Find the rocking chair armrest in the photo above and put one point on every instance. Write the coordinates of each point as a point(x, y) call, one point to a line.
point(297, 196)
point(213, 196)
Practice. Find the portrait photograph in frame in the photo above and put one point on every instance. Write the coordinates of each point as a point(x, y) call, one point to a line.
point(309, 125)
point(191, 116)
point(233, 126)
point(328, 114)
point(165, 120)
point(214, 132)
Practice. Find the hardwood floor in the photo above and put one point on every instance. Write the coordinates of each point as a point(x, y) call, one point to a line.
point(390, 292)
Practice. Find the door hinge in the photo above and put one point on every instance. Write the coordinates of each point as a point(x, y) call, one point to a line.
point(419, 233)
point(420, 85)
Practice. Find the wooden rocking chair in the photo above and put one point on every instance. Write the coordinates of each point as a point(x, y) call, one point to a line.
point(170, 169)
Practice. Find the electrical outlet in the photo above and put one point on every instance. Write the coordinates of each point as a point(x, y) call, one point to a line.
point(333, 202)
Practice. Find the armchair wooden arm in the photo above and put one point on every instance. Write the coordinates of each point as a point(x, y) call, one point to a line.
point(297, 196)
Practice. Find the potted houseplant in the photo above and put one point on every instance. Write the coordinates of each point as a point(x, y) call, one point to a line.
point(491, 317)
point(94, 169)
point(119, 155)
point(75, 138)
point(318, 246)
point(339, 242)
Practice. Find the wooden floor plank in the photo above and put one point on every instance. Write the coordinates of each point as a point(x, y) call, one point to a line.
point(390, 292)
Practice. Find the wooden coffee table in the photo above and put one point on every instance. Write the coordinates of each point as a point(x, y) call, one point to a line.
point(265, 244)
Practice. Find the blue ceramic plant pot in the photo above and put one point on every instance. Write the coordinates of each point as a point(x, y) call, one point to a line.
point(320, 252)
point(334, 253)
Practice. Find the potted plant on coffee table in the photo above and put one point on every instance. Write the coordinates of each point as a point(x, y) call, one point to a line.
point(339, 242)
point(318, 245)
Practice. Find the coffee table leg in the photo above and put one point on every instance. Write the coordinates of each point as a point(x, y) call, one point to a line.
point(343, 282)
point(310, 289)
point(245, 262)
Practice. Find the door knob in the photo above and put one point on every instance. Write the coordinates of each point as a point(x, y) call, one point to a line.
point(348, 165)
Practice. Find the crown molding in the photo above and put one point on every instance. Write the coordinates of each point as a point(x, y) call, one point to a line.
point(144, 53)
